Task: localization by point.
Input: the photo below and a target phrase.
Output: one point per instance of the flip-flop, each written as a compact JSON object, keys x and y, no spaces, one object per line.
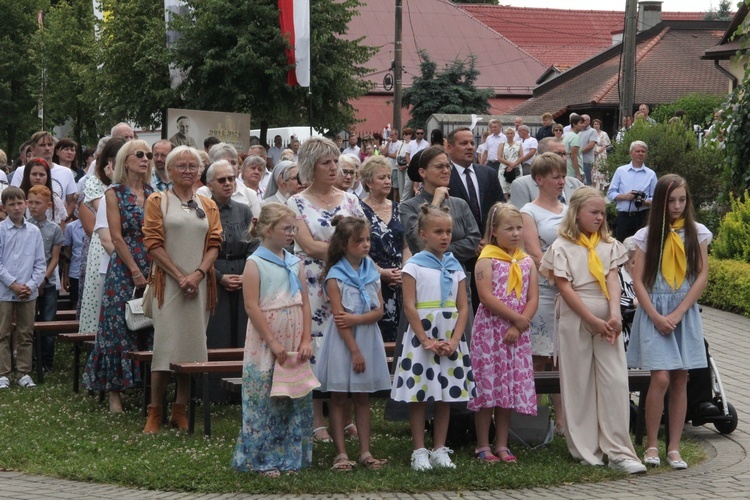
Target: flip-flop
{"x":486,"y":455}
{"x":319,"y":436}
{"x":341,"y":463}
{"x":371,"y":463}
{"x":508,"y":458}
{"x":270,"y":473}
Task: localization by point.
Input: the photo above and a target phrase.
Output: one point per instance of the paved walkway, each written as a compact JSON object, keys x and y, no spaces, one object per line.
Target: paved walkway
{"x":725,"y":474}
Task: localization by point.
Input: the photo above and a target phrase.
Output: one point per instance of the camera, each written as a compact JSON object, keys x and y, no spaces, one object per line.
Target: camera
{"x":640,"y":196}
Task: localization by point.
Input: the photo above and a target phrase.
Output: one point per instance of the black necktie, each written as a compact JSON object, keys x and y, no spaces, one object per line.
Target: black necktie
{"x":473,"y":200}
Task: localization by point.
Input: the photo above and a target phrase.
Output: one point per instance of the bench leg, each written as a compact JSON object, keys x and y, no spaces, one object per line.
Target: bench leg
{"x":146,"y":368}
{"x":76,"y":366}
{"x":206,"y":406}
{"x":38,"y":351}
{"x":640,"y":425}
{"x":191,"y":406}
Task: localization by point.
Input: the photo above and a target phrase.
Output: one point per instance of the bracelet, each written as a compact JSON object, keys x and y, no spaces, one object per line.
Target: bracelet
{"x":203,"y":273}
{"x":137,"y":275}
{"x":431,"y":345}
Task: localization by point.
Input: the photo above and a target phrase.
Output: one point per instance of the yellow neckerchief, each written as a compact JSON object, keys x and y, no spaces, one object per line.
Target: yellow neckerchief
{"x":515,"y":277}
{"x":595,"y":264}
{"x":673,"y":259}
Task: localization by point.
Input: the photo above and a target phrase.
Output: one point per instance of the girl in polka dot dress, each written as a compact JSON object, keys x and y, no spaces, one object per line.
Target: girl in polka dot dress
{"x":434,"y":364}
{"x":501,"y":344}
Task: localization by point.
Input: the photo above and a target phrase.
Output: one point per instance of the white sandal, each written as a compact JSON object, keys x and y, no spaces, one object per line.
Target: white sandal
{"x":654,"y":460}
{"x":678,"y":464}
{"x":326,"y":438}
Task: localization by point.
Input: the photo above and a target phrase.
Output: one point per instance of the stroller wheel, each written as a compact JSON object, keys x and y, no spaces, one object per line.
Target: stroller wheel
{"x":728,"y":425}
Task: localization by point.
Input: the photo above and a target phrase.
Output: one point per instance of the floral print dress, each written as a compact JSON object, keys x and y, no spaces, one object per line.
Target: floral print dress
{"x":319,"y":223}
{"x":107,"y":367}
{"x":386,"y":249}
{"x":504,"y":373}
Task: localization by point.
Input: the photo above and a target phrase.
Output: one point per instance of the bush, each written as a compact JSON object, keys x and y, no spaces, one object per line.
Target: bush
{"x":728,"y":286}
{"x":672,"y":149}
{"x":699,"y":109}
{"x":733,"y":238}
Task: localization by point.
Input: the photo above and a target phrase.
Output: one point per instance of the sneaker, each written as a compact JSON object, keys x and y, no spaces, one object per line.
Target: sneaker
{"x":628,"y":465}
{"x":440,"y":458}
{"x":26,"y":381}
{"x":4,"y":383}
{"x":420,"y":460}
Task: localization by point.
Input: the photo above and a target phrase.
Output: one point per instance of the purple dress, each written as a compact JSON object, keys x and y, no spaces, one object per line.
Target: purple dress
{"x":504,"y":373}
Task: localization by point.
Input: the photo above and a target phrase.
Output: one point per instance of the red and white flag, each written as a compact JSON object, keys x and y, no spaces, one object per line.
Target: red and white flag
{"x":295,"y":26}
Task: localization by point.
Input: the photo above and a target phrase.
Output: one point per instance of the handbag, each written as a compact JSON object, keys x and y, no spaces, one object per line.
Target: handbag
{"x":135,"y":318}
{"x":401,"y":159}
{"x":294,"y":379}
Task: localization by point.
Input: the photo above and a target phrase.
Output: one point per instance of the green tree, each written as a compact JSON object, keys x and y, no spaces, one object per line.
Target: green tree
{"x":234,"y":55}
{"x":65,"y":53}
{"x":699,"y":108}
{"x":134,"y":82}
{"x":451,"y":91}
{"x":18,"y":23}
{"x":723,"y":13}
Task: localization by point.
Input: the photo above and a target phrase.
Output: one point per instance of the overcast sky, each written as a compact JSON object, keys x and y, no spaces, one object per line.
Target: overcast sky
{"x":667,"y":5}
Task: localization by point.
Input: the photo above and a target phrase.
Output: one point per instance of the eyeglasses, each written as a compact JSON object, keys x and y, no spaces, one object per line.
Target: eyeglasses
{"x":290,"y":230}
{"x":141,"y":154}
{"x":182,"y":167}
{"x":420,"y":133}
{"x":224,"y":180}
{"x":562,"y":155}
{"x":198,"y":210}
{"x":299,"y":181}
{"x":348,"y":173}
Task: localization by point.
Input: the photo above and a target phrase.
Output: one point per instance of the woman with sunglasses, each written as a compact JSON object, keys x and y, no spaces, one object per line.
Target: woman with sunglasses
{"x":183,"y":277}
{"x":107,"y":368}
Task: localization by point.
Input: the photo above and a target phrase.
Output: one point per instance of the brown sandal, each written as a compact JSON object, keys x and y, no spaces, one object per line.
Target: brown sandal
{"x":341,"y":463}
{"x":369,"y":462}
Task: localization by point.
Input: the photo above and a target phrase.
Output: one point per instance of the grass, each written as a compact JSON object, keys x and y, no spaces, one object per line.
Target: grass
{"x":52,"y":431}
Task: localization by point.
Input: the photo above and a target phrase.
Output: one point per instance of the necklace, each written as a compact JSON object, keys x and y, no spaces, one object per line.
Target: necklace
{"x":185,"y":205}
{"x":382,"y":208}
{"x":328,"y":203}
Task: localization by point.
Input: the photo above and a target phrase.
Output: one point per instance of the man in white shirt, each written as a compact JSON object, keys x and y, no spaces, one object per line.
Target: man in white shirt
{"x":63,"y":180}
{"x":391,"y":149}
{"x":352,"y":149}
{"x":275,"y":151}
{"x":123,"y":130}
{"x":493,"y":143}
{"x":588,"y":138}
{"x":529,"y":146}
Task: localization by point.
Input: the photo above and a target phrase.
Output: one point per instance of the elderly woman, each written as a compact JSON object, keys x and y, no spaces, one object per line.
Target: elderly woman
{"x":107,"y":368}
{"x":183,"y":235}
{"x":387,"y":247}
{"x":224,"y":151}
{"x":348,"y":168}
{"x":541,"y":219}
{"x":228,"y":324}
{"x":316,"y":206}
{"x":93,"y":191}
{"x":432,"y":168}
{"x":283,"y":183}
{"x":252,"y":171}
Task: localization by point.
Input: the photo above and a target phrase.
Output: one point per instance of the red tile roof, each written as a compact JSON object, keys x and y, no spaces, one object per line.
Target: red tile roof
{"x":447,"y":33}
{"x":556,"y":36}
{"x":668,"y":66}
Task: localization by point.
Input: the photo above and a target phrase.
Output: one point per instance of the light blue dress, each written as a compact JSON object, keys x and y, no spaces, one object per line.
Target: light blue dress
{"x":683,"y":349}
{"x":333,"y":367}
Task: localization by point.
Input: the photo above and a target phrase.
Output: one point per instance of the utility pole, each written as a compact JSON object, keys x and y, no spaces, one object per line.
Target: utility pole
{"x":627,"y":78}
{"x":397,"y":64}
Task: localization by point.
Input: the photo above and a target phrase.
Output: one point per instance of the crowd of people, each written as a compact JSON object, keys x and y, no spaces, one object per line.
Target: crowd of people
{"x":490,"y":264}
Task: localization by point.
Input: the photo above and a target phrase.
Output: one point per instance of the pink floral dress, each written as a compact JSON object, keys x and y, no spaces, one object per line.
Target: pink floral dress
{"x":503,"y":373}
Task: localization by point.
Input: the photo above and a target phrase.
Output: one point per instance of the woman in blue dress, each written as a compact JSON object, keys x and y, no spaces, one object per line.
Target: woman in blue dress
{"x":388,"y":247}
{"x":107,"y":368}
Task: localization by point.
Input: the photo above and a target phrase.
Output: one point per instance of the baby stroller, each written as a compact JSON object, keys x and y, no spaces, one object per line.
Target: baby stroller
{"x":707,"y":400}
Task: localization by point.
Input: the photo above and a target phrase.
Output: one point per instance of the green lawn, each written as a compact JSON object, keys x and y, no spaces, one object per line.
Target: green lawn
{"x":50,"y":430}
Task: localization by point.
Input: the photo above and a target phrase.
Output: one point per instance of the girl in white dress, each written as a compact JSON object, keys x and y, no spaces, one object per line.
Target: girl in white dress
{"x":434,"y":365}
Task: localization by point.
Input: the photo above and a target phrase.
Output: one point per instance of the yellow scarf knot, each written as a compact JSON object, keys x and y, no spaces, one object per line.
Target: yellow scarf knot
{"x":673,"y":259}
{"x":515,"y":277}
{"x":595,"y":264}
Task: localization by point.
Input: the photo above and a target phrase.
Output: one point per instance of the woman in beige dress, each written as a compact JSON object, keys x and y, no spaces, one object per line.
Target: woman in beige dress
{"x":176,"y":221}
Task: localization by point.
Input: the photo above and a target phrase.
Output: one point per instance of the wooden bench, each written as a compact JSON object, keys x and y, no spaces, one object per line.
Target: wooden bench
{"x":145,"y":358}
{"x":49,"y":329}
{"x":202,"y":370}
{"x":65,"y":315}
{"x":77,"y":339}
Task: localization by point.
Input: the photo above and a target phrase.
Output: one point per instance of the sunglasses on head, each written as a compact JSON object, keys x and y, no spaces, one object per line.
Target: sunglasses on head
{"x":141,"y":154}
{"x":198,"y":210}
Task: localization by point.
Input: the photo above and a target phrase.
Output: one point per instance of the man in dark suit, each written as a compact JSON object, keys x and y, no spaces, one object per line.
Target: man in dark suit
{"x":478,"y":185}
{"x":466,"y":176}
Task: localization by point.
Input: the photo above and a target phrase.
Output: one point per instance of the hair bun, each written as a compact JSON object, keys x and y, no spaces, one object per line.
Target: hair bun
{"x":335,"y":221}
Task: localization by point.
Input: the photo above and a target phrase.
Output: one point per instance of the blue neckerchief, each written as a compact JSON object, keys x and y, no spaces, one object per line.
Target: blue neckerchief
{"x":367,"y":273}
{"x":446,"y":267}
{"x":288,"y":262}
